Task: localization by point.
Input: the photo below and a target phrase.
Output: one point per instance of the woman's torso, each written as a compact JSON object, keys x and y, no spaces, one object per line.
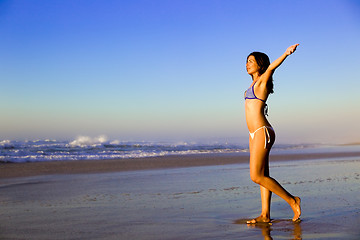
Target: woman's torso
{"x":255,"y":106}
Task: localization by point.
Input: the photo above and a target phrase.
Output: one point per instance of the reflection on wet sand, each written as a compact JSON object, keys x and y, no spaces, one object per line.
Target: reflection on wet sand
{"x":281,"y":227}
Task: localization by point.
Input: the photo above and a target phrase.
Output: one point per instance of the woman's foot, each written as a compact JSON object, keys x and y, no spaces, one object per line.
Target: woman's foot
{"x":259,"y":219}
{"x":297,"y":209}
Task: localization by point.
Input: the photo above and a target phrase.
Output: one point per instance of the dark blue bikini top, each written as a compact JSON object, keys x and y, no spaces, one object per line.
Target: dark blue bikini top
{"x":250,"y":94}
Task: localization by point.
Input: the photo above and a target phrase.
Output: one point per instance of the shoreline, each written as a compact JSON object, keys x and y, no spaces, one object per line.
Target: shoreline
{"x":15,"y":170}
{"x":184,"y":202}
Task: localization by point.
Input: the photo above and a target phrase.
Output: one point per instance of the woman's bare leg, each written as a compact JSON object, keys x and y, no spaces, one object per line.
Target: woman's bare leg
{"x":259,"y":167}
{"x":265,"y":200}
{"x":265,"y":193}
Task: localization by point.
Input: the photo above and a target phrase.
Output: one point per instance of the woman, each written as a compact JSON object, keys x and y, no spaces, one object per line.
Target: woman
{"x":262,"y":135}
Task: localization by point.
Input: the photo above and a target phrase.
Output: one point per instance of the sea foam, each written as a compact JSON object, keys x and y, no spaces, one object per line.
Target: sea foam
{"x":84,"y":141}
{"x":97,"y":148}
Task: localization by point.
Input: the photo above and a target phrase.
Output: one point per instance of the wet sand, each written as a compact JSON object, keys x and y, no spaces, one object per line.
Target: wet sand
{"x":10,"y":170}
{"x":208,"y":197}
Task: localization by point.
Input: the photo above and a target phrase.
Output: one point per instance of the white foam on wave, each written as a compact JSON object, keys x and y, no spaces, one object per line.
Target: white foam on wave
{"x":86,"y":147}
{"x":5,"y":142}
{"x":84,"y":141}
{"x":115,"y":142}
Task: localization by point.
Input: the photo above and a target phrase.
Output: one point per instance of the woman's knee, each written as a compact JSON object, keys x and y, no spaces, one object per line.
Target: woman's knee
{"x":256,"y":178}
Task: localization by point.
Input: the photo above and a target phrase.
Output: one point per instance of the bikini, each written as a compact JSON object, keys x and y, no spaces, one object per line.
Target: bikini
{"x":250,"y":94}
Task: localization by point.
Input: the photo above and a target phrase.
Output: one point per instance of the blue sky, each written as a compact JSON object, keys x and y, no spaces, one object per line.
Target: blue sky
{"x":148,"y":70}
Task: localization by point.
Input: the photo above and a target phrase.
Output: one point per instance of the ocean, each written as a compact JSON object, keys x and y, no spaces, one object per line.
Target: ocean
{"x":87,"y":148}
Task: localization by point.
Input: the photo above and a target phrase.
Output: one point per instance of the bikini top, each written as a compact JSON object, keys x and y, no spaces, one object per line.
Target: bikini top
{"x":250,"y":94}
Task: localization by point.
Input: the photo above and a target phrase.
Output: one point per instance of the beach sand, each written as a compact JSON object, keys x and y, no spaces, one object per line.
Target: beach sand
{"x":191,"y":197}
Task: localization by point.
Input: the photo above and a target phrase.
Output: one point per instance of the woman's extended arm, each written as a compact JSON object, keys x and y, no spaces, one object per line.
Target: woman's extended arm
{"x":275,"y":64}
{"x":279,"y":61}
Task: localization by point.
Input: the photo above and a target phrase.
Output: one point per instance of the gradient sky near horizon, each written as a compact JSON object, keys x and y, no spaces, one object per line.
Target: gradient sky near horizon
{"x":175,"y":69}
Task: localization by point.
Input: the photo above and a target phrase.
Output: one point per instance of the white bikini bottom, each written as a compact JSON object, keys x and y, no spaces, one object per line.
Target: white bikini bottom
{"x":267,"y":135}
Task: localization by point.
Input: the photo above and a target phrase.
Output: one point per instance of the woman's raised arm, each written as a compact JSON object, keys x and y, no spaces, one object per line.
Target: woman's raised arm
{"x":275,"y":64}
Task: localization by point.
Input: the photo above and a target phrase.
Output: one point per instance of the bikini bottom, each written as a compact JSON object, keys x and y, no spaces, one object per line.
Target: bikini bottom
{"x":267,"y":135}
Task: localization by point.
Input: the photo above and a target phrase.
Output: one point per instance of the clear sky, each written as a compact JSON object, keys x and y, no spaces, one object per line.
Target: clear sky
{"x":175,"y":69}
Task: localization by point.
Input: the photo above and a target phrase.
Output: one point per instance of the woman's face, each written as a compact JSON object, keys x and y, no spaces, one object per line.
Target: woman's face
{"x":251,"y":65}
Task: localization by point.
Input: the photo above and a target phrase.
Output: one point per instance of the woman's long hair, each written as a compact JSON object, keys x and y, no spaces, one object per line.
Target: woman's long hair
{"x":263,"y":61}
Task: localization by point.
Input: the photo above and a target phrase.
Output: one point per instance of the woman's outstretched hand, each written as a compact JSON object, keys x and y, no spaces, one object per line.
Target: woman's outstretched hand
{"x":291,"y":49}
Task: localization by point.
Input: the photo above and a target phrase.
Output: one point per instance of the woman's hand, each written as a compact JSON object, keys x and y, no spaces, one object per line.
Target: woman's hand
{"x":275,"y":64}
{"x":291,"y":49}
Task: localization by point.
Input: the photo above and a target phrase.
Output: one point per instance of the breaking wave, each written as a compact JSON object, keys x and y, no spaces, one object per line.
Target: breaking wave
{"x":97,"y":148}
